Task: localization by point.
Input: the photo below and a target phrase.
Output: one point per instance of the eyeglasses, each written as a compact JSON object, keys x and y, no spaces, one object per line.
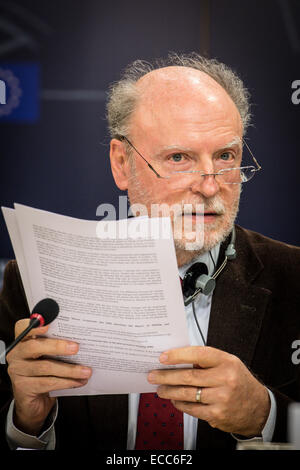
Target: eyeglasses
{"x":186,"y":169}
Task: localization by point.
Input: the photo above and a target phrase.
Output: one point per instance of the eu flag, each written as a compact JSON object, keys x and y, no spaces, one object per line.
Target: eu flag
{"x":20,"y":89}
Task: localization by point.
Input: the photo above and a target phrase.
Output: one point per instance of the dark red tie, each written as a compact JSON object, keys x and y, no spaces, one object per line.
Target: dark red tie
{"x":160,"y":425}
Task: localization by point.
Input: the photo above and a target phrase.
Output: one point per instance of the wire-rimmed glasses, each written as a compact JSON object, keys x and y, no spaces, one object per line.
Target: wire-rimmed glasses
{"x":187,"y":170}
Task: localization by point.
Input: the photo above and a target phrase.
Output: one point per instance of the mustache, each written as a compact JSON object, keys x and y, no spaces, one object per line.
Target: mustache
{"x":214,"y":205}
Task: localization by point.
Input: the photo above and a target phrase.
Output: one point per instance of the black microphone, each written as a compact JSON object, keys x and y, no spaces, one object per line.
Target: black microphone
{"x":42,"y":314}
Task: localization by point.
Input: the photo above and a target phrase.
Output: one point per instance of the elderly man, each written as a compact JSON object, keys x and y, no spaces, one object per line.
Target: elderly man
{"x":177,"y":132}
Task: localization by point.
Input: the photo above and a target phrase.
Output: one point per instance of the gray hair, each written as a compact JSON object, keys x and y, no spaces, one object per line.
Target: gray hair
{"x":123,"y":95}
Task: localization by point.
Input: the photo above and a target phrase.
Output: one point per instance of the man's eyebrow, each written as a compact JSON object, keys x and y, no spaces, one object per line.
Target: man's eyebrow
{"x":236,"y":141}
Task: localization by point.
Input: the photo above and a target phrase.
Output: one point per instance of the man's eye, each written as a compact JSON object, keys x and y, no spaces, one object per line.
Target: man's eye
{"x":177,"y":157}
{"x":226,"y":156}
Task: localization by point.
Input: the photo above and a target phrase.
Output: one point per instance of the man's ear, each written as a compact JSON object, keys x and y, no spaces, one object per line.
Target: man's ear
{"x":119,"y":164}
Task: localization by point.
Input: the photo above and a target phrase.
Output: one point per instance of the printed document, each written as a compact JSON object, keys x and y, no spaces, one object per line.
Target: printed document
{"x":117,"y":287}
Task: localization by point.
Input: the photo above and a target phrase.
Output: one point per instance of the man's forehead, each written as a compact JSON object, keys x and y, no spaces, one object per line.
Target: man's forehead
{"x":175,"y":74}
{"x":177,"y":88}
{"x":178,"y":83}
{"x":185,"y":99}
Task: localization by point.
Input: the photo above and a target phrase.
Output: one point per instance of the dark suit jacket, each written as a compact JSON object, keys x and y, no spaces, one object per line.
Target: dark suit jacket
{"x":255,"y":315}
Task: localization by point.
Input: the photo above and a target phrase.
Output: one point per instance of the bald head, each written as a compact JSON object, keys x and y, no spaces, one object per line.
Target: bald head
{"x":174,"y":79}
{"x":181,"y":97}
{"x":207,"y":78}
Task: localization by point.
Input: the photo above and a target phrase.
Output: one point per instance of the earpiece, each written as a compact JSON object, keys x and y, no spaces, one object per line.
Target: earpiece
{"x":197,"y":280}
{"x":230,"y":252}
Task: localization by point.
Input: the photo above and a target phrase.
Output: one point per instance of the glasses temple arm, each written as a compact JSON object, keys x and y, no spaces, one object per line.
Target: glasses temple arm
{"x":122,"y":137}
{"x":255,"y":161}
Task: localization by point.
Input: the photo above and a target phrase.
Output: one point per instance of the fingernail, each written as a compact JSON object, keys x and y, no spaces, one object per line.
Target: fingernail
{"x":151,"y":377}
{"x":82,"y":382}
{"x":72,"y":347}
{"x":164,"y":357}
{"x":85,"y":371}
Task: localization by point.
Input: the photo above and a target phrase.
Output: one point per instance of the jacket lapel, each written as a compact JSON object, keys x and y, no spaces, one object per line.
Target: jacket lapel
{"x":238,"y":304}
{"x":238,"y":309}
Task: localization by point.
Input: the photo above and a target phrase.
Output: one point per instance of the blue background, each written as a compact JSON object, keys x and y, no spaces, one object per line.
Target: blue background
{"x":60,"y":162}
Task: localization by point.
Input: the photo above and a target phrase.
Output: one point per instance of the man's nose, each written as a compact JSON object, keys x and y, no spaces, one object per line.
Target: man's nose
{"x":205,"y":184}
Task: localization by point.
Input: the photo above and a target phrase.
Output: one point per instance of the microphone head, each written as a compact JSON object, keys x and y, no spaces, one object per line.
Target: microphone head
{"x":191,"y":276}
{"x":48,"y":309}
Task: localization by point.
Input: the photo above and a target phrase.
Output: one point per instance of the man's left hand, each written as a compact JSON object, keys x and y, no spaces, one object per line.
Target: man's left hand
{"x":232,"y":399}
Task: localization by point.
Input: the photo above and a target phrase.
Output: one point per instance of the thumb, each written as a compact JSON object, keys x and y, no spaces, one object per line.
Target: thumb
{"x":21,"y":325}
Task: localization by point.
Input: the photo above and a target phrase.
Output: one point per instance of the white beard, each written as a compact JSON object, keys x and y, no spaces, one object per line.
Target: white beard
{"x":214,"y":233}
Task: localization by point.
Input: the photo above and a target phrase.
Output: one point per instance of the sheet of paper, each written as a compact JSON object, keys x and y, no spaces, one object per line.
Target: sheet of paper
{"x":120,"y":298}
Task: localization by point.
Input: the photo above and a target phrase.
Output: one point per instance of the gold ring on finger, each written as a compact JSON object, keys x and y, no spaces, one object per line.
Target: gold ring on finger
{"x":198,"y":395}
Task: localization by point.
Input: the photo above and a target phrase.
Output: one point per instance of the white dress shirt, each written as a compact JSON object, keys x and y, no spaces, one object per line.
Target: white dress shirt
{"x":202,"y":304}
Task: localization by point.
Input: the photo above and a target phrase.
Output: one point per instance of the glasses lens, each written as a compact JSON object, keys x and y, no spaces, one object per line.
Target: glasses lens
{"x":236,"y":175}
{"x":227,"y":176}
{"x":247,"y":173}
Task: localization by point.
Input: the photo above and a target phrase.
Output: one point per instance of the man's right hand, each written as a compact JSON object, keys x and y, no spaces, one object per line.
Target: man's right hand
{"x":33,"y":376}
